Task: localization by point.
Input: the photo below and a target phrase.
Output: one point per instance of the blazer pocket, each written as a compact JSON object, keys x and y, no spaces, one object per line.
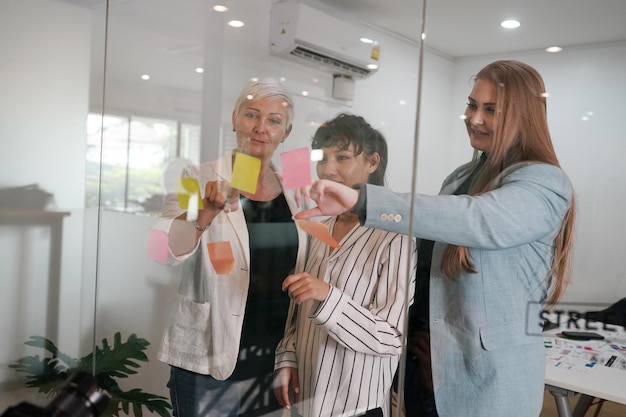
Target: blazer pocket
{"x":190,"y":329}
{"x":504,"y":335}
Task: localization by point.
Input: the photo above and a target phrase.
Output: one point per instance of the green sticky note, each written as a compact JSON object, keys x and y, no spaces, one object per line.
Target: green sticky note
{"x":246,"y":173}
{"x":186,"y":188}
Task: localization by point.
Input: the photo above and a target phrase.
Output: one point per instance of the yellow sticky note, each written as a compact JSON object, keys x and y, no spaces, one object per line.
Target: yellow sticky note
{"x":246,"y":171}
{"x":186,"y":188}
{"x":221,"y":255}
{"x":319,"y":231}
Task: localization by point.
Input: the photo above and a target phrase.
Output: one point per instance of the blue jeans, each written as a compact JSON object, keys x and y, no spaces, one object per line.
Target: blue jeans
{"x":197,"y":395}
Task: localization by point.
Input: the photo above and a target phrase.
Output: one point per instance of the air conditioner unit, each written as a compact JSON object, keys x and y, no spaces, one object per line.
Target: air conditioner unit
{"x":320,"y":40}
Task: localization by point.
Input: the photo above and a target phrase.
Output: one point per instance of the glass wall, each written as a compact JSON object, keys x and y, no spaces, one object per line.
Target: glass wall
{"x":105,"y":102}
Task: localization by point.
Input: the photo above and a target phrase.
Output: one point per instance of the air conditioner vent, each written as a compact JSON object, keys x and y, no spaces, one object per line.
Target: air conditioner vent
{"x":310,"y":36}
{"x":340,"y":66}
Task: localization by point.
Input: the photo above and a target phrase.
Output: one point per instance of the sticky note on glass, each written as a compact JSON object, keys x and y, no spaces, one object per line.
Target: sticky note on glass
{"x":296,"y":165}
{"x":245,"y":173}
{"x":319,"y":231}
{"x":158,"y":246}
{"x":188,"y":187}
{"x":221,"y":255}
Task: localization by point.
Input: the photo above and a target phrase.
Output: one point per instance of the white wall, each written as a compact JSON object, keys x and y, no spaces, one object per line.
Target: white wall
{"x":44,"y":100}
{"x":44,"y":84}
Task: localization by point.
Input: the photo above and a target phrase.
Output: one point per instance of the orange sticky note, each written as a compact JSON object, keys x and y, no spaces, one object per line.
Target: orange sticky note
{"x":319,"y":231}
{"x":186,"y":188}
{"x":158,"y":246}
{"x":221,"y":256}
{"x":246,"y":171}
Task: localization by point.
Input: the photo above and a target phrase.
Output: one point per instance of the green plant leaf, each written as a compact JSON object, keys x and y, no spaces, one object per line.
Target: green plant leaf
{"x":47,"y":344}
{"x":46,"y":375}
{"x":138,"y":399}
{"x":118,"y":360}
{"x":108,"y":384}
{"x":137,"y":411}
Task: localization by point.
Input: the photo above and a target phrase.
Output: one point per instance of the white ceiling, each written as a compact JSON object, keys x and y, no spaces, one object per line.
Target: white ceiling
{"x":460,"y":28}
{"x":142,"y":32}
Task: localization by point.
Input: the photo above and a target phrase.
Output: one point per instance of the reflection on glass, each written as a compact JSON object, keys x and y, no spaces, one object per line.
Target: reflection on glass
{"x":126,"y":157}
{"x":53,"y":77}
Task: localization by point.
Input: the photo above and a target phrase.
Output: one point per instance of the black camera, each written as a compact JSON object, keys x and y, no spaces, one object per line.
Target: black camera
{"x":78,"y":398}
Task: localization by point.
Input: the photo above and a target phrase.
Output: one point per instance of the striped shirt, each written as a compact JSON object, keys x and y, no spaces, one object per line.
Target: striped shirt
{"x":347,"y":348}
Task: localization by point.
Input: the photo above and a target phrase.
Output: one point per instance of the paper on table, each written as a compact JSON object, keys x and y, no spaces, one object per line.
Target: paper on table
{"x":221,"y":255}
{"x":296,"y":166}
{"x":319,"y":231}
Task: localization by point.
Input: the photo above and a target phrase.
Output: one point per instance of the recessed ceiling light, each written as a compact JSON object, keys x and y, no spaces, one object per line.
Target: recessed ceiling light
{"x":220,"y":8}
{"x":554,"y":49}
{"x":199,"y":70}
{"x":510,"y":24}
{"x":367,"y":40}
{"x":372,"y":66}
{"x":236,"y":23}
{"x":145,"y":77}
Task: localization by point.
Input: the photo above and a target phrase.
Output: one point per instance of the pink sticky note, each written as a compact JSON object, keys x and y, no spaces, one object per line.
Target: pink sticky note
{"x":296,"y":165}
{"x":221,"y":255}
{"x":158,"y":246}
{"x":319,"y":231}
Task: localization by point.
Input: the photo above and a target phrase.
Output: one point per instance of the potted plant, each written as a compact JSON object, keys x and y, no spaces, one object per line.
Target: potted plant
{"x":108,"y":362}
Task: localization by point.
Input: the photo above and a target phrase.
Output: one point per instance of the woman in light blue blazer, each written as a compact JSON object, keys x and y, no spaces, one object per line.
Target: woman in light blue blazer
{"x":501,"y":237}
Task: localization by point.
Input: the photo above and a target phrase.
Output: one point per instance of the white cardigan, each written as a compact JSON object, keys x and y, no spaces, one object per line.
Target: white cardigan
{"x":204,"y":329}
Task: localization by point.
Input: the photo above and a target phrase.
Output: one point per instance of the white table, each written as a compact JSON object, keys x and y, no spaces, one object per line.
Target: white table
{"x":571,"y":377}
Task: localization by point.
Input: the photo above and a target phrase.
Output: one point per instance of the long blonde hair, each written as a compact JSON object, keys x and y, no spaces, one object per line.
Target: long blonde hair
{"x":521,"y":134}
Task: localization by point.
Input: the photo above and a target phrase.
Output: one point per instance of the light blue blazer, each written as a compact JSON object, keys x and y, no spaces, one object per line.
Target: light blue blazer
{"x":486,"y":344}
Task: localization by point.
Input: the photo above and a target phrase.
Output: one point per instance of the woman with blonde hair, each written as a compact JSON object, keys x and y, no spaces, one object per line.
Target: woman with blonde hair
{"x":224,"y":325}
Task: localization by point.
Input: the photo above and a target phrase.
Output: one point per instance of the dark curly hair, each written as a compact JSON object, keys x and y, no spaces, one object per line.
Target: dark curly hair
{"x":345,"y":129}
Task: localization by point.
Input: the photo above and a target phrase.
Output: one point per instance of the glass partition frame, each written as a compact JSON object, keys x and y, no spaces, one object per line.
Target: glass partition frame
{"x":76,"y":227}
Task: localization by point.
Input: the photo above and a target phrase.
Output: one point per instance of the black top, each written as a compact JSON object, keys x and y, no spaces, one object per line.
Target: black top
{"x":273,"y":250}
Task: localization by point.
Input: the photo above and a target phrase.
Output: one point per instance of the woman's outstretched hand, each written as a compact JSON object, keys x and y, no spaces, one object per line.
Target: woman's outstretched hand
{"x":332,"y":198}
